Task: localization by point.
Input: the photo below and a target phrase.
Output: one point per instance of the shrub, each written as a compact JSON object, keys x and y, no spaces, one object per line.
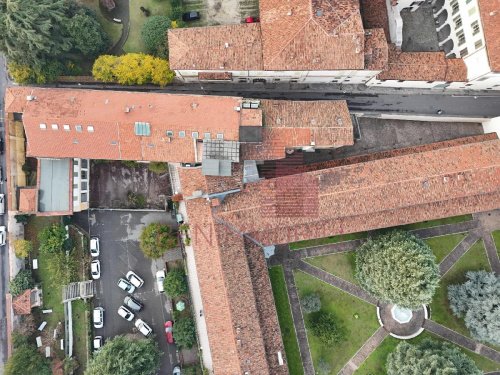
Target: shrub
{"x":130,"y":163}
{"x":22,"y":218}
{"x":175,"y":283}
{"x":158,"y":167}
{"x":22,"y":248}
{"x":156,"y":239}
{"x":154,"y":35}
{"x":311,"y":303}
{"x":136,"y":200}
{"x":26,"y":360}
{"x":87,"y":34}
{"x":52,"y":238}
{"x":185,"y":333}
{"x":429,"y":357}
{"x":63,"y":268}
{"x":398,"y":268}
{"x":326,"y":327}
{"x":478,"y":302}
{"x":177,"y":12}
{"x":22,"y":281}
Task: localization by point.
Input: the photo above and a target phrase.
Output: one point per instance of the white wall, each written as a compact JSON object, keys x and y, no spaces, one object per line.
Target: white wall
{"x":492,"y":126}
{"x":81,"y":184}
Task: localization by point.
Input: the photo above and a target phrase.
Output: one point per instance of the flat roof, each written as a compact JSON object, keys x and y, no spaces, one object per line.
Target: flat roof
{"x":53,"y":194}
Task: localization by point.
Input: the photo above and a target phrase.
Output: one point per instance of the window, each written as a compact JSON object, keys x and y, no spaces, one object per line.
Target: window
{"x":75,"y":162}
{"x":478,"y":44}
{"x":220,"y":136}
{"x":84,"y":197}
{"x":90,"y":129}
{"x":458,"y":22}
{"x":464,"y":52}
{"x":75,"y":186}
{"x":142,"y":128}
{"x":475,"y":28}
{"x":43,"y":126}
{"x":454,"y":6}
{"x":170,"y":133}
{"x":461,"y":38}
{"x":84,"y":185}
{"x":206,"y":136}
{"x":194,"y":135}
{"x":182,"y":133}
{"x":66,"y":127}
{"x":84,"y":175}
{"x":85,"y":163}
{"x":55,"y":127}
{"x":78,"y":128}
{"x":75,"y":173}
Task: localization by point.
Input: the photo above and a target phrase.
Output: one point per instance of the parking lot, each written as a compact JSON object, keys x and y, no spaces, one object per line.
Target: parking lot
{"x":118,"y":233}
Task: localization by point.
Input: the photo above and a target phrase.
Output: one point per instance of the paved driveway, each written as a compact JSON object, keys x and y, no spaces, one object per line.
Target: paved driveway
{"x":118,"y":232}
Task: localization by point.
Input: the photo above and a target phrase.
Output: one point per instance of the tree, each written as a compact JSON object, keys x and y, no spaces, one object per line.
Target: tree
{"x":154,"y":35}
{"x":45,"y":73}
{"x":22,"y":281}
{"x":326,"y":327}
{"x":185,"y":333}
{"x":86,"y":33}
{"x":22,"y":248}
{"x":52,"y":238}
{"x":156,"y":239}
{"x":103,"y":68}
{"x":125,"y":355}
{"x":430,"y":357}
{"x":161,"y":75}
{"x":478,"y":302}
{"x":175,"y":283}
{"x":26,"y":360}
{"x":398,"y":268}
{"x":311,"y":303}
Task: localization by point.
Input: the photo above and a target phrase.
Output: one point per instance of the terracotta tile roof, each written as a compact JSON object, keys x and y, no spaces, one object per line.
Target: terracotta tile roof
{"x":311,"y":34}
{"x":423,"y":66}
{"x":193,"y":180}
{"x":28,"y":200}
{"x":376,"y":50}
{"x":291,"y":124}
{"x":113,"y":135}
{"x":201,"y":48}
{"x":15,"y":98}
{"x":490,"y":18}
{"x":370,"y":195}
{"x":374,"y":13}
{"x":22,"y":303}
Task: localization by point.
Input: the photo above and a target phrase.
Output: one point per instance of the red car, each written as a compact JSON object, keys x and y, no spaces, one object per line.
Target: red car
{"x":168,"y":331}
{"x":252,"y":19}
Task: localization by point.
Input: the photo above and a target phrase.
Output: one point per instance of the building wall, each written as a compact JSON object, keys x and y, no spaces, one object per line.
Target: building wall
{"x":395,"y":20}
{"x":81,"y":170}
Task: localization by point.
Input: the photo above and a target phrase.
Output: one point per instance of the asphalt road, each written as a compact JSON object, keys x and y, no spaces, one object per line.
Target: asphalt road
{"x":4,"y":253}
{"x":118,"y":233}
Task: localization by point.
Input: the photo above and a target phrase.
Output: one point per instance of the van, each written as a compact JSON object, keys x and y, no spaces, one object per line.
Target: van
{"x":2,"y":204}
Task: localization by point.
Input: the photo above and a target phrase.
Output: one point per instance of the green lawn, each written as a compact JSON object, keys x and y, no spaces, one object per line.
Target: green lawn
{"x":441,"y":246}
{"x":496,"y":238}
{"x":375,"y":363}
{"x":327,"y":240}
{"x":81,"y":333}
{"x":473,"y":260}
{"x":345,"y":307}
{"x":435,"y":223}
{"x":341,"y":264}
{"x":113,"y":29}
{"x":137,"y":18}
{"x":286,"y":322}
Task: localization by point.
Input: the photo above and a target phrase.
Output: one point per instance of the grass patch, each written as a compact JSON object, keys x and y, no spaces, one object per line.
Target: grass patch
{"x":345,"y":307}
{"x":285,"y":319}
{"x":496,"y":239}
{"x":134,"y":41}
{"x":375,"y":363}
{"x":342,"y":265}
{"x":475,"y":259}
{"x":113,"y":29}
{"x":441,"y":246}
{"x":80,"y":333}
{"x":438,"y":222}
{"x":327,"y":240}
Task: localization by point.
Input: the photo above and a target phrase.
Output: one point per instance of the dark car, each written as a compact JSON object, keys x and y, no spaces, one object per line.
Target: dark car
{"x":133,"y":303}
{"x":191,"y":16}
{"x":1,"y":146}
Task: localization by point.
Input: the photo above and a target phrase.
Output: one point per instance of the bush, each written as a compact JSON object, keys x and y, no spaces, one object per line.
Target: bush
{"x":175,"y":283}
{"x":26,"y":360}
{"x":130,"y":163}
{"x":154,"y":35}
{"x":311,"y":303}
{"x":325,"y":327}
{"x":156,"y":239}
{"x":45,"y":73}
{"x":63,"y":268}
{"x":22,"y":218}
{"x":158,"y":167}
{"x":478,"y":302}
{"x":136,"y":200}
{"x":52,"y":238}
{"x":22,"y":248}
{"x":429,"y":357}
{"x":398,"y":268}
{"x":177,"y":12}
{"x":185,"y":333}
{"x":22,"y":281}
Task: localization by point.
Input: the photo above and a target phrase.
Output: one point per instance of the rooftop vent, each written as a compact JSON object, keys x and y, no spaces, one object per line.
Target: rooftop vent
{"x":290,"y":12}
{"x":30,"y":98}
{"x":170,"y":133}
{"x":43,"y":126}
{"x":194,"y":135}
{"x":114,"y":143}
{"x":226,"y":45}
{"x":194,"y":105}
{"x":75,"y":141}
{"x":182,"y":133}
{"x":127,"y":109}
{"x":237,"y":109}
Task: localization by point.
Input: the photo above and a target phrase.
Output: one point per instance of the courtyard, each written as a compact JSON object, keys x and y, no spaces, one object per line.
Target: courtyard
{"x":326,"y":267}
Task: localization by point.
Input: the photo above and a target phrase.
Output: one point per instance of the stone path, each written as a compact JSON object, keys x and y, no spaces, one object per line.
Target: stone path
{"x":442,"y":230}
{"x":339,"y":247}
{"x":492,"y":253}
{"x":457,"y":252}
{"x":364,"y":352}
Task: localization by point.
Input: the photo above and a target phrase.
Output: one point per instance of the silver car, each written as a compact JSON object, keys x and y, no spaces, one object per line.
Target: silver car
{"x":133,"y":304}
{"x":3,"y":235}
{"x":125,"y":285}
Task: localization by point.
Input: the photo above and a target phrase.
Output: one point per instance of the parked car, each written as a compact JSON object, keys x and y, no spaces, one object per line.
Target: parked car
{"x":190,"y":16}
{"x":98,"y":317}
{"x":169,"y":331}
{"x":94,"y":247}
{"x":95,"y":269}
{"x":176,"y":370}
{"x":143,"y":327}
{"x":252,"y":19}
{"x":1,"y":146}
{"x":179,"y":218}
{"x":133,"y":304}
{"x":126,"y":313}
{"x":134,"y":279}
{"x":3,"y":235}
{"x":125,"y":285}
{"x":98,"y":342}
{"x":2,"y":204}
{"x":160,"y":276}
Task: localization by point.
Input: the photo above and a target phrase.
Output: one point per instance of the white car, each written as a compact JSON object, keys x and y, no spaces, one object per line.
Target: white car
{"x":95,"y":269}
{"x":143,"y":327}
{"x":176,"y":370}
{"x":125,"y":285}
{"x":160,"y":276}
{"x":3,"y":235}
{"x":134,"y":279}
{"x":98,"y":317}
{"x":97,"y":343}
{"x":94,"y":247}
{"x":125,"y":313}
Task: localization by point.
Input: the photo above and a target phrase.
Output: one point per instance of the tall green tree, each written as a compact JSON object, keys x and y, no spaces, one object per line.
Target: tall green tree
{"x":52,"y":238}
{"x":86,"y":33}
{"x":399,"y":268}
{"x":430,"y":357}
{"x":22,"y":281}
{"x":185,"y":333}
{"x":26,"y":360}
{"x":175,"y":283}
{"x":124,"y":356}
{"x":156,"y":239}
{"x":154,"y":35}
